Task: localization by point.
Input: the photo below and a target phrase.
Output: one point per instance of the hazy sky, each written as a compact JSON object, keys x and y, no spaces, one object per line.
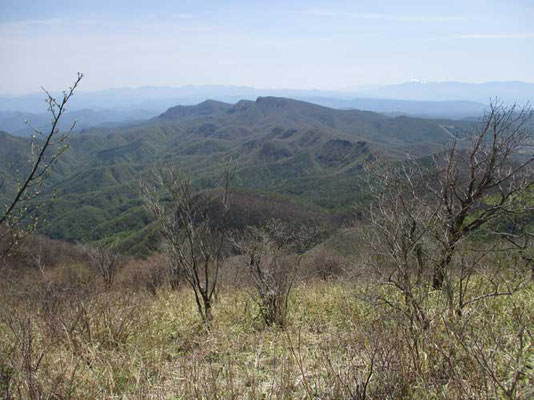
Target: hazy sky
{"x":268,"y":44}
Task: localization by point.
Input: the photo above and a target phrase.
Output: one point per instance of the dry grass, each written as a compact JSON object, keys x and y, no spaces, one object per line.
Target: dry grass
{"x":78,"y":341}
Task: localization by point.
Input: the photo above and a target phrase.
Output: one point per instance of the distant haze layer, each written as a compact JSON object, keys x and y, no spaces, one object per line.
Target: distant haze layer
{"x":431,"y":100}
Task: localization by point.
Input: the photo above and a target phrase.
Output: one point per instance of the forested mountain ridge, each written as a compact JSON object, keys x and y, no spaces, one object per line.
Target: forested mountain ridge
{"x":311,"y":153}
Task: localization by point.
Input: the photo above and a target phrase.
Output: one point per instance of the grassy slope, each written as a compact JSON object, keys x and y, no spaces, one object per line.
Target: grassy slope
{"x":155,"y":347}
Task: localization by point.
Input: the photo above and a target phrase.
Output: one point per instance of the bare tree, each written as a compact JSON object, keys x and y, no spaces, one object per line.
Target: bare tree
{"x":106,"y":262}
{"x":481,"y":181}
{"x":195,"y":229}
{"x":273,"y":254}
{"x":18,"y":215}
{"x":423,"y":212}
{"x":402,"y":225}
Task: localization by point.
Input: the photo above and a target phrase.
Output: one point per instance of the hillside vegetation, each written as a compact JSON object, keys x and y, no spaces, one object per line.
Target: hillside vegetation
{"x":64,"y":335}
{"x":423,"y":291}
{"x":308,"y":153}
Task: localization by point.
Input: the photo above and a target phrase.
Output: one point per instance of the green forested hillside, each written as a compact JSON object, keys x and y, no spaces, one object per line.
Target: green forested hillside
{"x":310,"y":154}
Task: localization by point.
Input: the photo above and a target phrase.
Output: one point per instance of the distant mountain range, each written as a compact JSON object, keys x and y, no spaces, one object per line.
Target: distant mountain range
{"x":429,"y":100}
{"x":310,"y":153}
{"x":509,"y":92}
{"x":16,"y":122}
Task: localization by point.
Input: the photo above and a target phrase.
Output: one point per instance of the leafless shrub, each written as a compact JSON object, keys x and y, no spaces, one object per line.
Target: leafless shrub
{"x":272,"y":260}
{"x":423,"y":214}
{"x":42,"y":253}
{"x":324,"y":264}
{"x":195,"y":237}
{"x":6,"y":377}
{"x":481,"y":348}
{"x":18,"y":217}
{"x":398,"y":240}
{"x":106,"y":262}
{"x":151,"y":274}
{"x":488,"y":165}
{"x":27,"y":371}
{"x":108,"y":321}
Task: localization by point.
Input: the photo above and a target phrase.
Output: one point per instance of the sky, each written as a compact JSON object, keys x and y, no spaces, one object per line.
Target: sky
{"x":328,"y":45}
